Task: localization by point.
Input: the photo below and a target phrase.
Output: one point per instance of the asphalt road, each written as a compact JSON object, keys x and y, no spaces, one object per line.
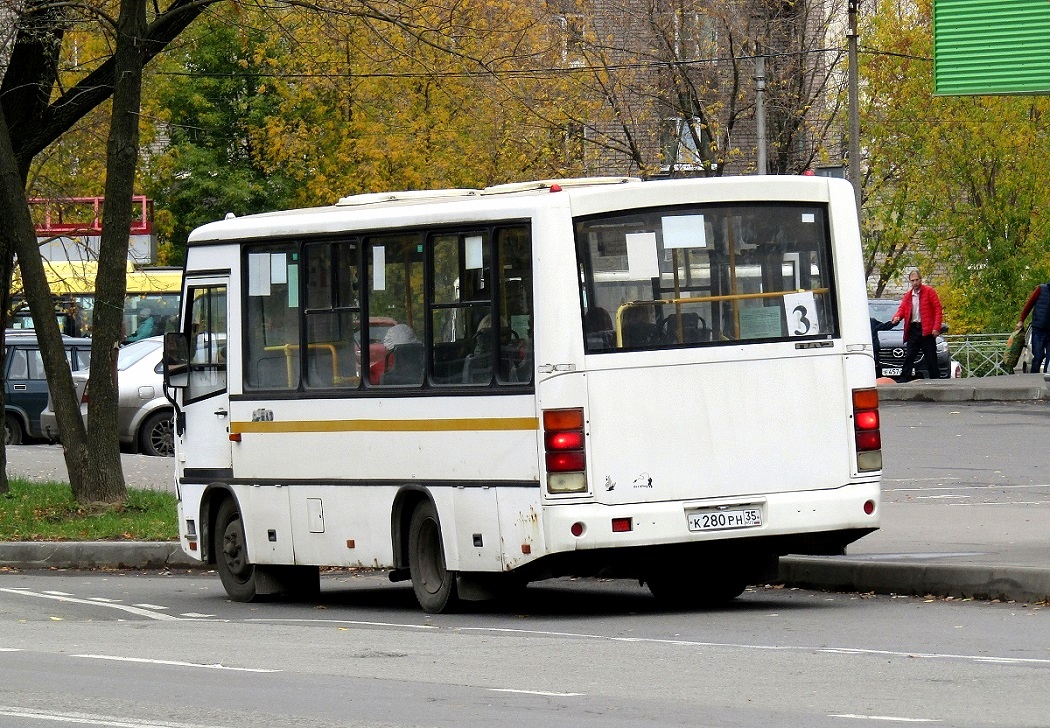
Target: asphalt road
{"x":170,"y":651}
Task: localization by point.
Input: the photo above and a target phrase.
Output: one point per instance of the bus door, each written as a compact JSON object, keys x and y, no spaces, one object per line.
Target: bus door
{"x":206,"y":400}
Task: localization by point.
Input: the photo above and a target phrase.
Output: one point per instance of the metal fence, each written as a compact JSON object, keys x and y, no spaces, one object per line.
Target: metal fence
{"x":981,"y":355}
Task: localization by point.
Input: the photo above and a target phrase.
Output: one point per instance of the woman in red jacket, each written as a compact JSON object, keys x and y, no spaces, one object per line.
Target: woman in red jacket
{"x":921,"y":311}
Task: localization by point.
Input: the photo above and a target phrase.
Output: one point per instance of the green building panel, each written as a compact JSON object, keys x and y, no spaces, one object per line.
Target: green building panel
{"x":983,"y":47}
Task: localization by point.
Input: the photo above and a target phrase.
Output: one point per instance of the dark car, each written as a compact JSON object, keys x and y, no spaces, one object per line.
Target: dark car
{"x":891,"y":344}
{"x":25,"y":386}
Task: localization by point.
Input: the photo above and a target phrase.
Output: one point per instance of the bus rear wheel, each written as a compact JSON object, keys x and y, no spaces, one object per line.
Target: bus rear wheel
{"x":434,"y":585}
{"x":231,"y":554}
{"x":691,"y":591}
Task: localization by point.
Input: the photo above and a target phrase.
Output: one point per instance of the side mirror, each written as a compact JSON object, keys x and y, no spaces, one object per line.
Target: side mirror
{"x":176,"y":360}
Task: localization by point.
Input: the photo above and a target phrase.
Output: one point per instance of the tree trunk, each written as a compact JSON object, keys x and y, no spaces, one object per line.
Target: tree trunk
{"x":111,"y":280}
{"x":20,"y":235}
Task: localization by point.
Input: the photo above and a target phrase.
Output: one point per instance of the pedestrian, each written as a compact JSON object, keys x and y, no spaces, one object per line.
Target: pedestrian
{"x":1039,"y":305}
{"x":921,"y":312}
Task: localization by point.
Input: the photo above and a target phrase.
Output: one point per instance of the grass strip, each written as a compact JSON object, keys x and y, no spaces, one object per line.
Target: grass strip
{"x":47,"y":512}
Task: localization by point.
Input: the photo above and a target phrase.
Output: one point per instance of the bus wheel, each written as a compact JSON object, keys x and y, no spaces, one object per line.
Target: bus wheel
{"x":434,"y":585}
{"x":235,"y":571}
{"x":682,"y":590}
{"x":12,"y":430}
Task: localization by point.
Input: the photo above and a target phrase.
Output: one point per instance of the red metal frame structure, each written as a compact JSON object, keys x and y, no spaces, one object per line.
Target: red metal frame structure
{"x":52,"y":222}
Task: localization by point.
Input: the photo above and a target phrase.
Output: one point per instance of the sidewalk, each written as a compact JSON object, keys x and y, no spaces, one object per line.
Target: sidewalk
{"x":990,"y":552}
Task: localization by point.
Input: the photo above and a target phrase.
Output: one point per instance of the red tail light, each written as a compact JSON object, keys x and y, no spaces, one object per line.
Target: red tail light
{"x":563,"y":440}
{"x":563,"y":444}
{"x":866,"y":429}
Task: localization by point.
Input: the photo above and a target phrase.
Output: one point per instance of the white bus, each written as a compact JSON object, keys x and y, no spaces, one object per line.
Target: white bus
{"x":668,"y":380}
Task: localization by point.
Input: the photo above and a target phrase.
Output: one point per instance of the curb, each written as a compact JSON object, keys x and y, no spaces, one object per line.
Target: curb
{"x":95,"y":555}
{"x":973,"y":581}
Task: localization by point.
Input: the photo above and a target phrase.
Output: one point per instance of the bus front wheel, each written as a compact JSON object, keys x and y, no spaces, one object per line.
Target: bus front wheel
{"x":231,"y":555}
{"x":434,"y":585}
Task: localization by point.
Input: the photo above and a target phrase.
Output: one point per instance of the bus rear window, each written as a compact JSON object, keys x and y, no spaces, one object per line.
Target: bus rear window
{"x":705,"y":275}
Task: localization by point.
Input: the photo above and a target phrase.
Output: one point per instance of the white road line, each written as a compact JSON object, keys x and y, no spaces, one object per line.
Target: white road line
{"x":886,"y":717}
{"x":775,"y":648}
{"x":278,"y":620}
{"x":10,"y":649}
{"x":175,"y":663}
{"x":58,"y":593}
{"x":105,"y":600}
{"x":91,"y":719}
{"x":986,"y":486}
{"x":61,"y":597}
{"x":150,"y":606}
{"x":535,"y":692}
{"x":196,"y":615}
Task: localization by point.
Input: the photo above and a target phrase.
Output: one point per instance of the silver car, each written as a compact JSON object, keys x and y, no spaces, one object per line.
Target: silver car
{"x":145,"y":419}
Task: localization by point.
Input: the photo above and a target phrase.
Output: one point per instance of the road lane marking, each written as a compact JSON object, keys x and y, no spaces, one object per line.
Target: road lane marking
{"x":176,"y":663}
{"x":546,"y":693}
{"x":279,"y":620}
{"x":90,"y":719}
{"x":61,"y":597}
{"x":886,"y":717}
{"x":773,"y":648}
{"x":150,"y":606}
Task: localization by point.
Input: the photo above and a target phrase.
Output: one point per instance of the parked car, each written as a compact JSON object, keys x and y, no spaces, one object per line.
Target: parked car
{"x":25,"y":385}
{"x":145,"y":418}
{"x":891,"y":345}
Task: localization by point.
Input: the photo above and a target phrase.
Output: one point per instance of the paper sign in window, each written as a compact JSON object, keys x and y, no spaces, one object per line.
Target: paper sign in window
{"x":801,"y":312}
{"x":808,"y":217}
{"x":684,"y":231}
{"x":259,"y":274}
{"x":379,"y":268}
{"x":474,"y":247}
{"x":278,"y":268}
{"x":642,"y":263}
{"x":293,"y":286}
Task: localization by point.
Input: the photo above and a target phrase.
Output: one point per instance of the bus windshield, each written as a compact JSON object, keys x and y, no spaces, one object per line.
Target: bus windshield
{"x":705,"y":275}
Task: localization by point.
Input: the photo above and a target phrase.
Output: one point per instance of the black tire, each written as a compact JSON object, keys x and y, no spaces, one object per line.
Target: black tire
{"x":681,"y":590}
{"x":157,"y":435}
{"x":13,"y":434}
{"x":434,"y":585}
{"x":231,"y":554}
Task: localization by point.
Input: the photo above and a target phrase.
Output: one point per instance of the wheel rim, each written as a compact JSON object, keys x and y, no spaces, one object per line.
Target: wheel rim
{"x":162,"y":437}
{"x":233,"y":552}
{"x":431,"y":558}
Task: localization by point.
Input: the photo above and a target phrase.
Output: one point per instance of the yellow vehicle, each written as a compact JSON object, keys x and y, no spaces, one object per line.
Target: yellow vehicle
{"x":150,"y":308}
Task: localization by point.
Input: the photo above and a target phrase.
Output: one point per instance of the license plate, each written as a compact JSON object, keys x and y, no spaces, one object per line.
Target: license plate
{"x":719,"y":520}
{"x":891,"y":371}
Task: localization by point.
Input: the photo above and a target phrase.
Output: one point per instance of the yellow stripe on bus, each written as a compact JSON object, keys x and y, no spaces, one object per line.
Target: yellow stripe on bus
{"x":450,"y":425}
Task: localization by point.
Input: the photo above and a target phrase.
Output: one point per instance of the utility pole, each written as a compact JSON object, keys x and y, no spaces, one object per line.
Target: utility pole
{"x":760,"y":112}
{"x":854,"y":100}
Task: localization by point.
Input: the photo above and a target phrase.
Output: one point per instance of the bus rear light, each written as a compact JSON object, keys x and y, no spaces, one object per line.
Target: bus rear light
{"x":867,"y":441}
{"x":564,"y":440}
{"x":622,"y":525}
{"x":563,"y":444}
{"x":869,"y":507}
{"x":576,"y":529}
{"x":563,"y":462}
{"x":866,"y":429}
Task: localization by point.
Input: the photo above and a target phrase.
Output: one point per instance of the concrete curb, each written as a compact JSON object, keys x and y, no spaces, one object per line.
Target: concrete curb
{"x":94,"y":555}
{"x":1009,"y":388}
{"x":977,"y":581}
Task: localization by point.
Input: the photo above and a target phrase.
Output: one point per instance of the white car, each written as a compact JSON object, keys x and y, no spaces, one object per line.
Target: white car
{"x":145,"y":418}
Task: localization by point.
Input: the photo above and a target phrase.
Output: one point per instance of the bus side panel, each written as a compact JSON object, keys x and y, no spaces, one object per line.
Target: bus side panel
{"x":521,"y":526}
{"x":264,"y":510}
{"x":337,"y":525}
